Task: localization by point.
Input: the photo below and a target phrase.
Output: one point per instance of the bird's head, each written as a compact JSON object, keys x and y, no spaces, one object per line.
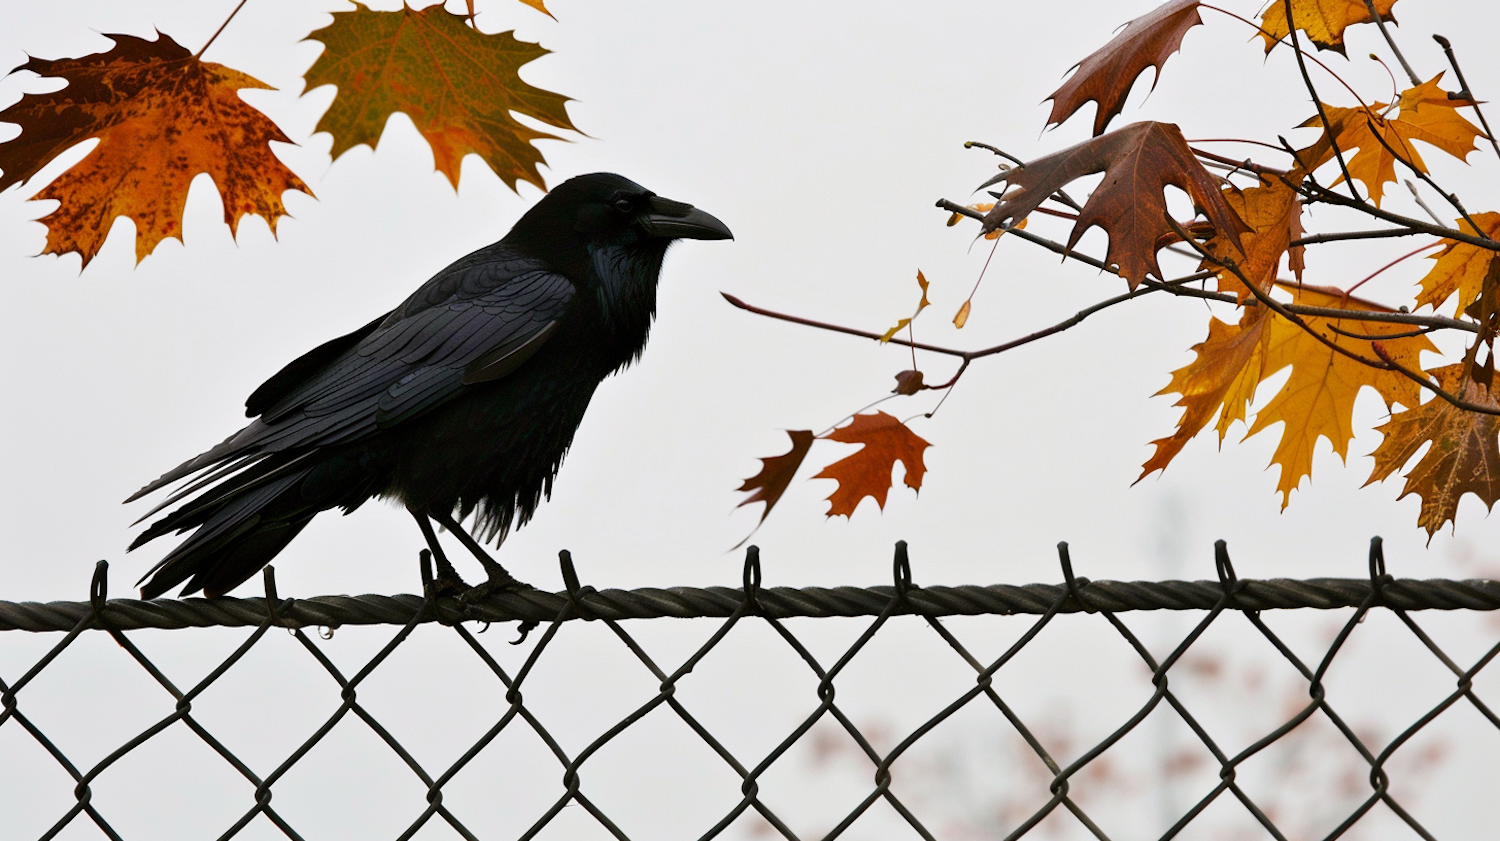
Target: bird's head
{"x":607,"y":216}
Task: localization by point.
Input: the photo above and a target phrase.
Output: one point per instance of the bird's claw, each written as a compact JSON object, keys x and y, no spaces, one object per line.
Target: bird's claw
{"x":498,"y":582}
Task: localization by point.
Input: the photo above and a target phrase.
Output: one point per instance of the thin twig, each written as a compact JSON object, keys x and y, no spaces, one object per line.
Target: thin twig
{"x":1320,"y":193}
{"x":1474,"y":100}
{"x":1291,"y":25}
{"x":1421,"y":202}
{"x":1338,"y":236}
{"x":1242,"y":164}
{"x":215,"y":36}
{"x":1390,"y":42}
{"x":1410,"y":334}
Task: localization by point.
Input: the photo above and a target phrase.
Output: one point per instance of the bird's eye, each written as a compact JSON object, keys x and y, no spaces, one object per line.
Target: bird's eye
{"x":624,"y":205}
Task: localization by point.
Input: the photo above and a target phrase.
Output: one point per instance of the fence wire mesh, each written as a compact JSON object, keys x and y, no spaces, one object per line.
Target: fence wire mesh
{"x":1066,"y":770}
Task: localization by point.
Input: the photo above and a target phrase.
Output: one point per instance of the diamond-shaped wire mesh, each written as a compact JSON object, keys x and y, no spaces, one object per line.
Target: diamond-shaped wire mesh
{"x":569,"y":740}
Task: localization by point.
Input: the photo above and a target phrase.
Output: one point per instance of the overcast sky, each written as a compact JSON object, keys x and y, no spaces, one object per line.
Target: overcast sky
{"x":822,"y":134}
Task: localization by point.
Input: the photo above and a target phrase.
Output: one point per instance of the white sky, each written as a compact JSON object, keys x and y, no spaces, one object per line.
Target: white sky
{"x":821,"y":134}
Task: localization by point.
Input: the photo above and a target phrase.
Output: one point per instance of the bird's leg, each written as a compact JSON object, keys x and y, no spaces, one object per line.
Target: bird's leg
{"x":498,"y":580}
{"x":446,"y":581}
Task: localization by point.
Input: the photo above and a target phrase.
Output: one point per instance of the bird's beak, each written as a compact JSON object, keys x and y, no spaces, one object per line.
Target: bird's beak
{"x":679,"y":220}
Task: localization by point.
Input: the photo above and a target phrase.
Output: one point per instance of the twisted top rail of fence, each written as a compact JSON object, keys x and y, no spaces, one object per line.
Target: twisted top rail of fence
{"x":1076,"y":594}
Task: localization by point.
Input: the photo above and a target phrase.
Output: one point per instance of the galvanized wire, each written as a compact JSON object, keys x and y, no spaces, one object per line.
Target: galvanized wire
{"x":752,"y":603}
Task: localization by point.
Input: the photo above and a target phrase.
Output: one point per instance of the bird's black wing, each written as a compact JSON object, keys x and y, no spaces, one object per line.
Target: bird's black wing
{"x":475,"y":321}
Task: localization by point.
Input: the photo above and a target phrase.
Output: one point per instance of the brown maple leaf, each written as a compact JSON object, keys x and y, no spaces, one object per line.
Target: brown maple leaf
{"x":1424,"y":113}
{"x":776,"y":473}
{"x":1273,"y":211}
{"x":1324,"y":21}
{"x":1461,"y":267}
{"x":1106,"y":76}
{"x":1317,"y":400}
{"x":459,"y":87}
{"x":868,"y":471}
{"x":1138,"y":161}
{"x":1464,"y":456}
{"x":162,"y":116}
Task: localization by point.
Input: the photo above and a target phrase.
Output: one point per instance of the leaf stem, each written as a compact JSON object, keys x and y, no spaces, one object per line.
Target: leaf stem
{"x":1391,"y":42}
{"x":215,"y":36}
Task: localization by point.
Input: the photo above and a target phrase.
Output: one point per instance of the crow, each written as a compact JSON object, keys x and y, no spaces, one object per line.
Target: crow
{"x":462,"y":400}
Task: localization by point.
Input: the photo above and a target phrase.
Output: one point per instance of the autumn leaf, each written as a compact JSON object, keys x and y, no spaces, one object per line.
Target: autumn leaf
{"x":1273,"y":211}
{"x":1138,"y":162}
{"x":459,"y":87}
{"x":1324,"y":21}
{"x":1425,"y":113}
{"x":961,"y":317}
{"x":1221,"y":379}
{"x":1461,"y":267}
{"x":162,"y":117}
{"x":1317,"y":400}
{"x":908,"y":383}
{"x":1106,"y":76}
{"x":1464,"y":456}
{"x":921,"y":305}
{"x":776,"y":473}
{"x":868,"y":471}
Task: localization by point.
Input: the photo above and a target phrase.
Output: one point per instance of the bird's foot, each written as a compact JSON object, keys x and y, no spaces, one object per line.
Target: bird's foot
{"x":499,"y":581}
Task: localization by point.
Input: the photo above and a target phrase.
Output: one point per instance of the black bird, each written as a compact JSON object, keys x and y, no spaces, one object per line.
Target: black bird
{"x":462,"y":400}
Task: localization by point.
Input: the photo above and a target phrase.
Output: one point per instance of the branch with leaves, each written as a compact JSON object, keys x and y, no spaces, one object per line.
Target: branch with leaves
{"x":1247,"y":231}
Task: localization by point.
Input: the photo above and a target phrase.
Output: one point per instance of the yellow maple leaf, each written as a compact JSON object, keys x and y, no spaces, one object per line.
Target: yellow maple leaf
{"x":162,"y":116}
{"x":1324,"y":21}
{"x":1317,"y":400}
{"x":1461,"y":267}
{"x":458,"y":85}
{"x":1464,"y":456}
{"x":1424,"y":113}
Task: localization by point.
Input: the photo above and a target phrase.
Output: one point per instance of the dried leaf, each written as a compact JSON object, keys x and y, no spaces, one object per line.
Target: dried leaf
{"x":1138,"y":162}
{"x":921,"y":305}
{"x":1464,"y":456}
{"x":776,"y":473}
{"x":161,"y":116}
{"x":908,"y":383}
{"x":962,"y":316}
{"x":1106,"y":76}
{"x":540,"y":6}
{"x":458,"y":85}
{"x":1274,"y":213}
{"x":868,"y":471}
{"x":1425,"y":113}
{"x":1324,"y":21}
{"x":1461,"y":267}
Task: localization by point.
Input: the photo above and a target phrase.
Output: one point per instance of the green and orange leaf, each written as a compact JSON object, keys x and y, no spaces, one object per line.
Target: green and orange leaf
{"x":1464,"y":456}
{"x":867,"y":472}
{"x":458,"y":85}
{"x":162,"y":116}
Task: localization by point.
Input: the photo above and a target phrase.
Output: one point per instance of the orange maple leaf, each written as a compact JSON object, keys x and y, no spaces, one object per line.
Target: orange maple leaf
{"x":1461,"y":267}
{"x":1425,"y":113}
{"x":1138,"y":161}
{"x":458,"y":85}
{"x":868,"y":471}
{"x":1273,"y":211}
{"x":1317,"y":400}
{"x":1464,"y":456}
{"x":1324,"y":21}
{"x":1107,"y":75}
{"x":162,"y":116}
{"x":921,"y":305}
{"x":776,"y":473}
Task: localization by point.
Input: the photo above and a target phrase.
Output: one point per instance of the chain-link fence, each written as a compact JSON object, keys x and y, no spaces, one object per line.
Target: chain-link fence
{"x":898,"y":784}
